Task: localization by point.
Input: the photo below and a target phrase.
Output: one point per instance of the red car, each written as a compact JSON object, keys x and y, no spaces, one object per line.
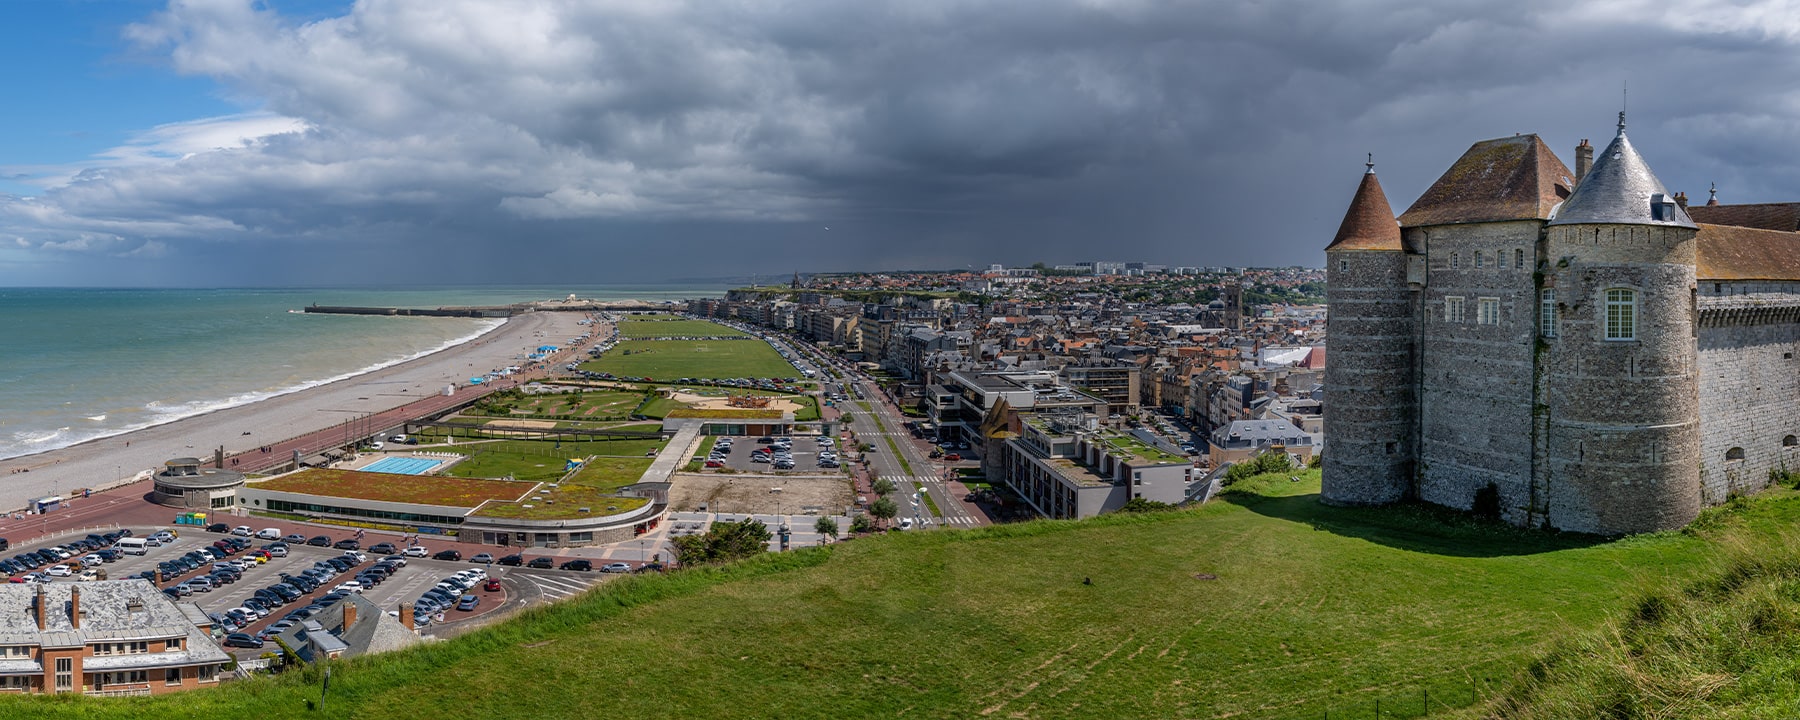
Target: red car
{"x":952,"y":457}
{"x":492,"y":585}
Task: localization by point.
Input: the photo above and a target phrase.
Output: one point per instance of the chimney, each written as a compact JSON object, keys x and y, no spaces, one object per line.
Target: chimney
{"x":158,"y":579}
{"x":406,"y":616}
{"x":75,"y":607}
{"x":43,"y":606}
{"x":1584,"y":159}
{"x":349,"y":615}
{"x":1681,"y":199}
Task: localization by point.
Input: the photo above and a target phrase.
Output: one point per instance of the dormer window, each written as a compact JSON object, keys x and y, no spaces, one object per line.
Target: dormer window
{"x":1662,"y":208}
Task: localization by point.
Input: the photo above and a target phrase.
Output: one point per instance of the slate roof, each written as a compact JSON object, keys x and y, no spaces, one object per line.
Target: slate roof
{"x":1515,"y":178}
{"x":1768,"y":216}
{"x":1727,"y":252}
{"x":1620,"y":189}
{"x":1369,"y":223}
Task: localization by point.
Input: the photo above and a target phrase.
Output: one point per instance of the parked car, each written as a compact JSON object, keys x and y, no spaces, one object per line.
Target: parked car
{"x":617,"y":567}
{"x":512,"y":560}
{"x":581,"y":565}
{"x":492,"y":585}
{"x":294,"y":539}
{"x":269,"y":534}
{"x":218,"y":528}
{"x":383,"y":548}
{"x":468,"y":602}
{"x":347,"y":544}
{"x":320,"y":541}
{"x":416,"y":551}
{"x":482,"y":558}
{"x":242,"y":530}
{"x":242,"y":640}
{"x":447,"y":555}
{"x":542,"y":563}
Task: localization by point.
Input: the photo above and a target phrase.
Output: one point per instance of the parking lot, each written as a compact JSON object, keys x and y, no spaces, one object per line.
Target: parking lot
{"x":519,"y":585}
{"x":805,"y":450}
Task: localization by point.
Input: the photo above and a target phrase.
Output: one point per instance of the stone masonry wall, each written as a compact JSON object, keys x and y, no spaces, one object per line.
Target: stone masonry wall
{"x":1749,"y":358}
{"x":1623,"y":415}
{"x":1369,"y":400}
{"x":1476,"y":380}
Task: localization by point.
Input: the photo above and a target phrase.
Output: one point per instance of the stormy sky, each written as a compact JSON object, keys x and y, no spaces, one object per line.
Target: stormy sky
{"x":451,"y":141}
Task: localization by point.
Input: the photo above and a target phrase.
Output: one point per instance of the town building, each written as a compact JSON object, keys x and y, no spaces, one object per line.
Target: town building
{"x":104,"y":637}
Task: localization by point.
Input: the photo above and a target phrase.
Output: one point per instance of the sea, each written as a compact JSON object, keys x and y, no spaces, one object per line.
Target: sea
{"x":80,"y":363}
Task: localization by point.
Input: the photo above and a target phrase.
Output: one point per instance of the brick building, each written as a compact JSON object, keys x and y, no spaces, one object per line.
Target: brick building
{"x":108,"y":637}
{"x":1577,"y":350}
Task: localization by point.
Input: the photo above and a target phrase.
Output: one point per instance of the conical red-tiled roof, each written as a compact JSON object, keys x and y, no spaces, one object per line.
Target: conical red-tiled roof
{"x":1369,"y":223}
{"x":1515,"y":178}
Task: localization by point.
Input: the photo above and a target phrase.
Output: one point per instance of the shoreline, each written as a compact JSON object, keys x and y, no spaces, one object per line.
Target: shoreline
{"x":220,"y":406}
{"x":116,"y":459}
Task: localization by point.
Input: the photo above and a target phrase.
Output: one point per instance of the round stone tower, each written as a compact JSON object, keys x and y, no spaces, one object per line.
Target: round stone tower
{"x":1618,"y":353}
{"x":1370,"y":390}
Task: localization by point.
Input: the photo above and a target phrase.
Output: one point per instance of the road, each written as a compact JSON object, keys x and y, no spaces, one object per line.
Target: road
{"x":925,"y":474}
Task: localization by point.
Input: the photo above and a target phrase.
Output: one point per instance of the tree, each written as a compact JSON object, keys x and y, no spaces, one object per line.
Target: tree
{"x":1139,"y":505}
{"x":884,"y":509}
{"x":827,"y":527}
{"x":883,"y":486}
{"x":725,"y":542}
{"x":862,"y":524}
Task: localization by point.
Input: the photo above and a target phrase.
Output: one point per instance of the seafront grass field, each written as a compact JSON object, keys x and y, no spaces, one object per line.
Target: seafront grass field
{"x":1265,"y":604}
{"x":668,"y":360}
{"x":589,"y":487}
{"x":540,"y":460}
{"x":669,"y":326}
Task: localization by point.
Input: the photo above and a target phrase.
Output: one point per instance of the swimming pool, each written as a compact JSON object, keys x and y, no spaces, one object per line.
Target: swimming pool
{"x":403,"y":465}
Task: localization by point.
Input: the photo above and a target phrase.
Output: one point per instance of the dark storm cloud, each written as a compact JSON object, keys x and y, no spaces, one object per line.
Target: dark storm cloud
{"x":925,"y":134}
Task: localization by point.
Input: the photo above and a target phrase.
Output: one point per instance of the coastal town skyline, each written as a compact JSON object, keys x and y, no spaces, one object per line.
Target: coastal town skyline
{"x":286,"y":142}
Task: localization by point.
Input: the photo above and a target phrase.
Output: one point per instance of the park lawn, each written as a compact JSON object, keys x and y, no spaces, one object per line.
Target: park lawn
{"x":667,"y":360}
{"x":1266,"y":604}
{"x":678,"y":327}
{"x":563,"y":503}
{"x":611,"y":473}
{"x":589,"y":405}
{"x":540,"y":460}
{"x":659,"y":407}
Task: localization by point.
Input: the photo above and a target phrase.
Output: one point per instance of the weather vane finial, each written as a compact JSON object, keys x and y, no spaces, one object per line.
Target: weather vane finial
{"x":1370,"y":164}
{"x":1624,"y":103}
{"x":1712,"y":193}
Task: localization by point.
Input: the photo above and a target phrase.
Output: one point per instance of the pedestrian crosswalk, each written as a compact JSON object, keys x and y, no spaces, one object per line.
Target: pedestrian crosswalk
{"x":557,"y":588}
{"x":957,"y":521}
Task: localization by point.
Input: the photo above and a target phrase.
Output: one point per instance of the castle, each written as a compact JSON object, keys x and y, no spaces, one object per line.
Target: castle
{"x":1577,"y":350}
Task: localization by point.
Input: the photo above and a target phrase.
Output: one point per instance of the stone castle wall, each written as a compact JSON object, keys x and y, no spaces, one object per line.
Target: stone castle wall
{"x":1622,"y":415}
{"x":1749,"y":356}
{"x":1476,"y":379}
{"x":1369,"y":379}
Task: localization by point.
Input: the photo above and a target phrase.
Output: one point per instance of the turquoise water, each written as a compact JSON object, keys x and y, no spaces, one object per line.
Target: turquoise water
{"x":402,"y":466}
{"x":78,"y":364}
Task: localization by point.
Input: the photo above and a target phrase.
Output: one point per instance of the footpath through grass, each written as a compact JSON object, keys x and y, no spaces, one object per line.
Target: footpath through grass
{"x":1266,"y":604}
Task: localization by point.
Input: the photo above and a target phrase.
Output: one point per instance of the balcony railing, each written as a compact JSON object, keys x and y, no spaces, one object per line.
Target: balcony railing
{"x":126,"y":691}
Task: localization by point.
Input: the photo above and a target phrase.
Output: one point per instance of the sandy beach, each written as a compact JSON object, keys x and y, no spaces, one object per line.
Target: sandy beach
{"x":104,"y":462}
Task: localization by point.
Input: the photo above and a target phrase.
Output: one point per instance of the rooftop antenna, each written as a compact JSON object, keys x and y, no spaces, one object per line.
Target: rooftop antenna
{"x":1370,"y":165}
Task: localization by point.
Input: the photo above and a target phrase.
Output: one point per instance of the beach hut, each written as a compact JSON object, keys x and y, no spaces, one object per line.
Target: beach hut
{"x":477,"y":380}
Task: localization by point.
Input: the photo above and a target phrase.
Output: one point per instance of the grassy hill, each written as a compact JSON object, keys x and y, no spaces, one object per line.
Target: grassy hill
{"x":1264,"y":605}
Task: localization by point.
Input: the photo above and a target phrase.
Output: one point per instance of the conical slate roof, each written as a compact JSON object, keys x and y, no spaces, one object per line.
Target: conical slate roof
{"x":1369,"y":223}
{"x":1621,"y":190}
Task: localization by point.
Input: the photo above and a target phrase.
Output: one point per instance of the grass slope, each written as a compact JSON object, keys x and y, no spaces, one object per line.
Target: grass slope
{"x":1265,"y":605}
{"x":671,"y":359}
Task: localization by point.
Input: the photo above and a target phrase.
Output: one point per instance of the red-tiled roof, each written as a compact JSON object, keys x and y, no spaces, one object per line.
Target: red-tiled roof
{"x":1369,"y":223}
{"x":1728,"y":252}
{"x":1515,"y":178}
{"x":1768,"y":216}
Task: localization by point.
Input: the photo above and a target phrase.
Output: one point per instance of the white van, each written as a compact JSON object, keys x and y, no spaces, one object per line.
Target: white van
{"x":269,"y":534}
{"x":132,"y":546}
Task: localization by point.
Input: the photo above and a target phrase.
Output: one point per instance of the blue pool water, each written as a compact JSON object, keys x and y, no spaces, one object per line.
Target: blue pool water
{"x":403,"y":465}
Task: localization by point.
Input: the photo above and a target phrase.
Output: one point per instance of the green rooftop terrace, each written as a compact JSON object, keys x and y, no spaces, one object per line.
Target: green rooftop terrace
{"x":1077,"y":473}
{"x":1140,"y":450}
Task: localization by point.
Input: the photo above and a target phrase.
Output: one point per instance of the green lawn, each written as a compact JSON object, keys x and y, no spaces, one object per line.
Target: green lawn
{"x":1266,"y":604}
{"x":671,"y":359}
{"x":675,"y":327}
{"x":539,"y":459}
{"x":589,"y":405}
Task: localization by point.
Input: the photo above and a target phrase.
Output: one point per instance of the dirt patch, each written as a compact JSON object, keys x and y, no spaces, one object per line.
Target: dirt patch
{"x":713,"y":402}
{"x":524,"y":424}
{"x":744,"y":493}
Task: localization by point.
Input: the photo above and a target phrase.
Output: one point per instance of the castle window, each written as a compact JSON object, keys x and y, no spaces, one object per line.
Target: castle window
{"x":1343,"y":266}
{"x":1453,"y":309}
{"x":1478,"y":258}
{"x":1734,"y":455}
{"x":1455,"y":261}
{"x":1621,"y":314}
{"x":1487,"y":311}
{"x":1519,"y":259}
{"x":1789,"y":441}
{"x":1547,"y":312}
